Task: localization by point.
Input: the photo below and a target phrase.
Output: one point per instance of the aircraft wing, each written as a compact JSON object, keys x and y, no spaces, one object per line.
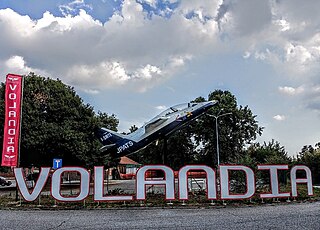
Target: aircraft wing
{"x":154,"y":124}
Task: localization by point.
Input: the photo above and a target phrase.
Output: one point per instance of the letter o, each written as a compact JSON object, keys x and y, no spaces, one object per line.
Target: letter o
{"x":11,"y":131}
{"x":12,"y":96}
{"x":84,"y":184}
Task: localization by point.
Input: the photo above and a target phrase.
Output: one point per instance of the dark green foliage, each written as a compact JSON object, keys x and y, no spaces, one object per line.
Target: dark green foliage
{"x":235,"y":130}
{"x":57,"y":124}
{"x":181,"y":150}
{"x":267,"y":153}
{"x":310,"y":157}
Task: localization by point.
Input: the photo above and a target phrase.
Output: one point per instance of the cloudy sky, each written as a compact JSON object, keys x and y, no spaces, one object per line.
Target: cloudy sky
{"x":135,"y":57}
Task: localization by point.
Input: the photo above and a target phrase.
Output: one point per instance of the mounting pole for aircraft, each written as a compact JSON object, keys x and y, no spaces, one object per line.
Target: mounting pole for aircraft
{"x":217,"y":132}
{"x":108,"y":178}
{"x":164,"y":151}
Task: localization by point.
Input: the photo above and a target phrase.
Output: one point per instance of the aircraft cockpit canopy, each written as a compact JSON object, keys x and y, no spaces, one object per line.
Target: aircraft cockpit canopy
{"x":177,"y":108}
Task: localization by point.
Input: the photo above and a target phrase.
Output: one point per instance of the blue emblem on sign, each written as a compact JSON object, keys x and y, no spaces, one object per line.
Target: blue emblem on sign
{"x":57,"y":163}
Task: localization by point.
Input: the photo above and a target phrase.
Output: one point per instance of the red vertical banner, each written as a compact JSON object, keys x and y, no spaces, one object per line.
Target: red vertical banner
{"x":13,"y":95}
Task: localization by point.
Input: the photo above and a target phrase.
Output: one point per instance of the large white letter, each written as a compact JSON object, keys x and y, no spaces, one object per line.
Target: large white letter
{"x":21,"y":183}
{"x":168,"y":181}
{"x":84,"y":184}
{"x":224,"y":182}
{"x":274,"y":182}
{"x":295,"y":181}
{"x":99,"y":187}
{"x":183,"y":181}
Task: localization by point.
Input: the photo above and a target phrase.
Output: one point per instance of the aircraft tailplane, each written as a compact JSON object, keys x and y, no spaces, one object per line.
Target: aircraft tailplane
{"x":108,"y":137}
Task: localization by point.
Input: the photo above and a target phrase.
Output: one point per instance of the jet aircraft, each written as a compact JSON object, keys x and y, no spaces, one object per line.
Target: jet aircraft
{"x":159,"y":127}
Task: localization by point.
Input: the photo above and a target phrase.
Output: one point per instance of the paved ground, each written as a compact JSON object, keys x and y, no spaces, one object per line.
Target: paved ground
{"x":280,"y":216}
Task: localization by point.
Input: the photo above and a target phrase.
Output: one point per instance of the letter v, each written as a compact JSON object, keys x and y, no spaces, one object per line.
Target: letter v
{"x":21,"y":183}
{"x":12,"y":87}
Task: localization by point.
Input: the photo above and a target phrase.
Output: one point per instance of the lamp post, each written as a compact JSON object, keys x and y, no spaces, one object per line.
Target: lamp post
{"x":217,"y":132}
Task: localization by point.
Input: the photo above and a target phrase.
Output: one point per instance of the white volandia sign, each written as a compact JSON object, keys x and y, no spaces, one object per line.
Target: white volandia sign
{"x":168,"y":182}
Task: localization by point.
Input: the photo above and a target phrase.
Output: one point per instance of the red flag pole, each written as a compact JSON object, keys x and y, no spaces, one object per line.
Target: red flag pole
{"x":20,"y":130}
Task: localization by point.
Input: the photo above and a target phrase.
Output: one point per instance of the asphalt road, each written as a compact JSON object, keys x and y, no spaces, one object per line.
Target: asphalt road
{"x":280,"y":216}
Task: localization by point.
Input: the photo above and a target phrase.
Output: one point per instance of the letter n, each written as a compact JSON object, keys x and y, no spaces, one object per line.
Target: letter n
{"x":211,"y":181}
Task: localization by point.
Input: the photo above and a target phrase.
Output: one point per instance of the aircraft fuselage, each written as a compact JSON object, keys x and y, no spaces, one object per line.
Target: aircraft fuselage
{"x":159,"y":127}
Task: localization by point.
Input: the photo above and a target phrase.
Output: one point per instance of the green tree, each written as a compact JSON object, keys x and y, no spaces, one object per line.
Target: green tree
{"x":236,"y":130}
{"x":196,"y":142}
{"x":267,"y":153}
{"x":179,"y":151}
{"x":310,"y":157}
{"x":97,"y":157}
{"x":56,"y":123}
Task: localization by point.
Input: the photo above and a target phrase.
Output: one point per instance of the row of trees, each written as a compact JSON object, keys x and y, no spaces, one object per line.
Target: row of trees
{"x":58,"y":124}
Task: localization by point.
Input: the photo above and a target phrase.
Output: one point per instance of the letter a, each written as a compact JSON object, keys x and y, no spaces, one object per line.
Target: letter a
{"x":168,"y":181}
{"x":295,"y":180}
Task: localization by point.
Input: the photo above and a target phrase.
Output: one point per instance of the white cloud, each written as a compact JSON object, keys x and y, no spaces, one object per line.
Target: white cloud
{"x":290,"y":90}
{"x":279,"y":117}
{"x":149,"y":71}
{"x":92,"y":91}
{"x":312,"y":98}
{"x":309,"y":94}
{"x":112,"y":74}
{"x":261,"y":55}
{"x":129,"y":49}
{"x":283,"y":24}
{"x":73,"y":7}
{"x":133,"y":50}
{"x":17,"y":64}
{"x":152,"y":3}
{"x":201,"y":8}
{"x":246,"y":55}
{"x":12,"y":22}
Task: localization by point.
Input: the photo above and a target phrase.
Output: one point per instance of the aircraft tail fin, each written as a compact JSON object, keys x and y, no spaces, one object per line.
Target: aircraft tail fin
{"x":108,"y":137}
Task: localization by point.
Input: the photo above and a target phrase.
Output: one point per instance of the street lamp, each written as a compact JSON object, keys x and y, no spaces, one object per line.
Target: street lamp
{"x":217,"y":132}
